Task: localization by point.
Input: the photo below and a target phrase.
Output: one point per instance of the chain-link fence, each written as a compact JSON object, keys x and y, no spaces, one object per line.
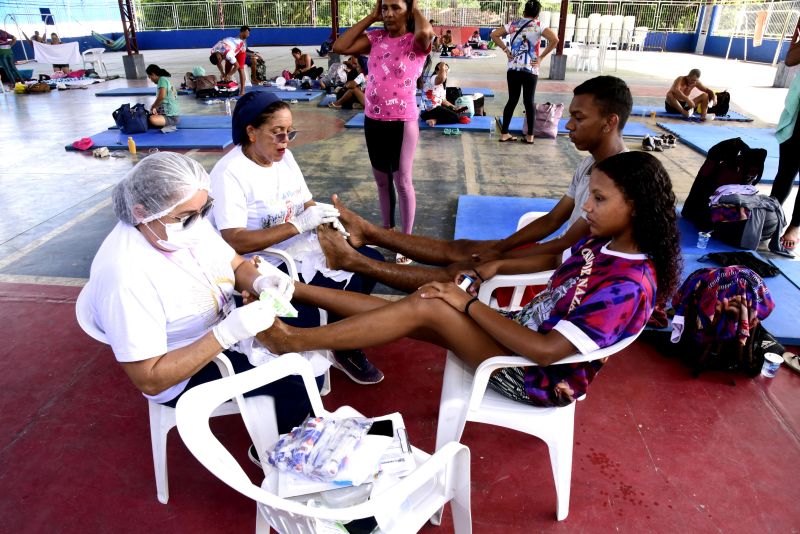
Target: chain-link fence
{"x":741,"y":20}
{"x":657,"y":16}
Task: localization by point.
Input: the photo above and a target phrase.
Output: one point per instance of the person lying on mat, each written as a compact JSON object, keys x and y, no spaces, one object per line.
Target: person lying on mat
{"x":165,"y":110}
{"x":442,"y":111}
{"x":678,"y":97}
{"x":161,"y":288}
{"x":604,"y":292}
{"x":598,"y":112}
{"x":262,"y":200}
{"x":229,"y":56}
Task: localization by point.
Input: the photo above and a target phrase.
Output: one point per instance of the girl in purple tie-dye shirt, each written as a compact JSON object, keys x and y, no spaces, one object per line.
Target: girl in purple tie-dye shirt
{"x":603,"y":293}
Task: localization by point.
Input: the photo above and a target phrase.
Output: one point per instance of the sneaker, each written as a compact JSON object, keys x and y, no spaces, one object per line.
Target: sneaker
{"x":659,"y":146}
{"x":253,"y":455}
{"x":648,"y":143}
{"x":354,"y":363}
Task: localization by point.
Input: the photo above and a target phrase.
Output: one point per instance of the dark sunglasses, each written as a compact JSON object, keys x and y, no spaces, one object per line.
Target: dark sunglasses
{"x":188,"y":220}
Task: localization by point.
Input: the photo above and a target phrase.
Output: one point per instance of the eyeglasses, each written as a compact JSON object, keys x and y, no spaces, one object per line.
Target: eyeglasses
{"x":283,"y":137}
{"x":188,"y":220}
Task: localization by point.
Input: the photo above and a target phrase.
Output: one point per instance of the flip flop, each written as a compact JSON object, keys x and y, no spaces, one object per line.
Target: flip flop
{"x":792,"y":360}
{"x":526,"y":141}
{"x":510,"y":139}
{"x":333,"y":105}
{"x":402,"y":260}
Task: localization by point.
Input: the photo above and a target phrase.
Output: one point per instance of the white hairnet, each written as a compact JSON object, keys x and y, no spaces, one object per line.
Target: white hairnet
{"x":157,"y":184}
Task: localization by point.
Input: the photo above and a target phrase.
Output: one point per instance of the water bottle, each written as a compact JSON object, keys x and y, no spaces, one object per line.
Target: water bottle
{"x":131,"y":145}
{"x":227,"y":106}
{"x":702,"y":239}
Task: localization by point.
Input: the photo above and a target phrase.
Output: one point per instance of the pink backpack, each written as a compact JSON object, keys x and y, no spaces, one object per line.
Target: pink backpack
{"x":547,"y":117}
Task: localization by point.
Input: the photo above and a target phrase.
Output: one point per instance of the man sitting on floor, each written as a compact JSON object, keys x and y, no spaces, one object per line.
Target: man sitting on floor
{"x":599,"y":110}
{"x":678,"y":97}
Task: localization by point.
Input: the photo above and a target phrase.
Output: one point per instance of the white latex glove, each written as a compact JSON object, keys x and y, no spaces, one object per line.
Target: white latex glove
{"x":337,"y":224}
{"x":313,"y":216}
{"x":273,"y":278}
{"x":243,"y":323}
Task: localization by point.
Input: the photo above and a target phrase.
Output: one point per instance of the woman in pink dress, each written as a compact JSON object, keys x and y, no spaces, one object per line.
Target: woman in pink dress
{"x":396,"y":56}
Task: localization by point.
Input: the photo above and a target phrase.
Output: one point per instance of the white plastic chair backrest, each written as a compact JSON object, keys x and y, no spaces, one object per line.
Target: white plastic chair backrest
{"x":526,"y":218}
{"x":83,"y":312}
{"x":545,"y":19}
{"x":90,"y":53}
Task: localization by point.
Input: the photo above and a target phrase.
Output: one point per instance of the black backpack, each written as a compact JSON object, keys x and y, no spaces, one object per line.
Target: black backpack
{"x":723,"y":104}
{"x":261,"y":70}
{"x":728,"y":162}
{"x":452,"y":94}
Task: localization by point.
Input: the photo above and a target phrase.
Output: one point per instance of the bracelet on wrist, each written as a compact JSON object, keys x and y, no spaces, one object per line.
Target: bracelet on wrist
{"x":466,"y":308}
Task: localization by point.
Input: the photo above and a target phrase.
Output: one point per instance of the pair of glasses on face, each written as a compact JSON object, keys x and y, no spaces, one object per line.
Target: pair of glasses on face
{"x":188,"y":220}
{"x":284,"y":137}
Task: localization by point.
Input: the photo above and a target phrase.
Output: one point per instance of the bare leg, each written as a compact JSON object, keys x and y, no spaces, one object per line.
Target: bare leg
{"x":702,"y":101}
{"x":407,"y":278}
{"x":430,"y":320}
{"x":159,"y":121}
{"x":673,"y":102}
{"x":420,"y":248}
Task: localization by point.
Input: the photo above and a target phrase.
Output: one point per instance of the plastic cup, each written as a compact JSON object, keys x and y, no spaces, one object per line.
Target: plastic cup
{"x":702,"y":239}
{"x":771,"y":363}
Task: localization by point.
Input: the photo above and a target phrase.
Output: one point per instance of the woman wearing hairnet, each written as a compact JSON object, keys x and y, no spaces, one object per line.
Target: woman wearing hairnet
{"x":262,"y":200}
{"x":161,"y":288}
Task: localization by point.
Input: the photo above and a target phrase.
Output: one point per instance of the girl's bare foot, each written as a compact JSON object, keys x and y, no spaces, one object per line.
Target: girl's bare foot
{"x":353,"y":223}
{"x":338,"y":253}
{"x":277,"y":337}
{"x":431,"y":122}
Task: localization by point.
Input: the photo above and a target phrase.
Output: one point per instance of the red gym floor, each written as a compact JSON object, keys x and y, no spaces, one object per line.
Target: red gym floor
{"x":655,"y":450}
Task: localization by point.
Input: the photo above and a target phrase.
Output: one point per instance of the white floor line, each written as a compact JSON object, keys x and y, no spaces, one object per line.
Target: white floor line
{"x":42,"y":280}
{"x":30,"y":247}
{"x":470,"y":178}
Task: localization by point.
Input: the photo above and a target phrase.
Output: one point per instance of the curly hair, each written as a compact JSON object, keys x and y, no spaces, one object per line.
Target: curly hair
{"x":643,"y":181}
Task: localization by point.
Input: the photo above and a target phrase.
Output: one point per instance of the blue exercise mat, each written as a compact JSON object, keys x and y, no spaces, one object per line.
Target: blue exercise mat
{"x":215,"y":138}
{"x":632,"y":129}
{"x":789,"y":268}
{"x":200,"y":122}
{"x":137,"y":91}
{"x":645,"y":111}
{"x":702,"y":137}
{"x":327,"y":99}
{"x":782,"y":322}
{"x":689,"y":240}
{"x":485,"y":91}
{"x":478,"y":124}
{"x":490,"y":217}
{"x":303,"y":95}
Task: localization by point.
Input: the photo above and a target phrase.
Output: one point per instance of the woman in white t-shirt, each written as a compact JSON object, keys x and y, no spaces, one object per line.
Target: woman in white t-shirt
{"x":161,"y":288}
{"x":523,"y":64}
{"x":262,"y":201}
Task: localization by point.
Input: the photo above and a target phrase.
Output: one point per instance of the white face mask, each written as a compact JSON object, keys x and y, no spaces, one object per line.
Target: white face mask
{"x":179,"y":237}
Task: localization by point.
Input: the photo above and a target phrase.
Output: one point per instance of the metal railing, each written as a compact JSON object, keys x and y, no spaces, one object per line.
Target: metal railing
{"x":662,"y":15}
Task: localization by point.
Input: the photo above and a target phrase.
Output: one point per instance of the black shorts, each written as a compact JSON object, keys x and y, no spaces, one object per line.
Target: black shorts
{"x":671,"y":109}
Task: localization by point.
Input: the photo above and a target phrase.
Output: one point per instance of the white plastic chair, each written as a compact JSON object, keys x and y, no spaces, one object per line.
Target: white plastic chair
{"x":515,"y":281}
{"x":162,"y":418}
{"x":466,"y":397}
{"x":581,"y":30}
{"x":94,"y":57}
{"x":593,"y":28}
{"x":401,"y":508}
{"x":628,"y":24}
{"x":569,"y":31}
{"x":639,"y":38}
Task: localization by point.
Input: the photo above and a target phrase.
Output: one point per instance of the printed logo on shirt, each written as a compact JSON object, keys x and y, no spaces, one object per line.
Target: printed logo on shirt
{"x":583,"y":281}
